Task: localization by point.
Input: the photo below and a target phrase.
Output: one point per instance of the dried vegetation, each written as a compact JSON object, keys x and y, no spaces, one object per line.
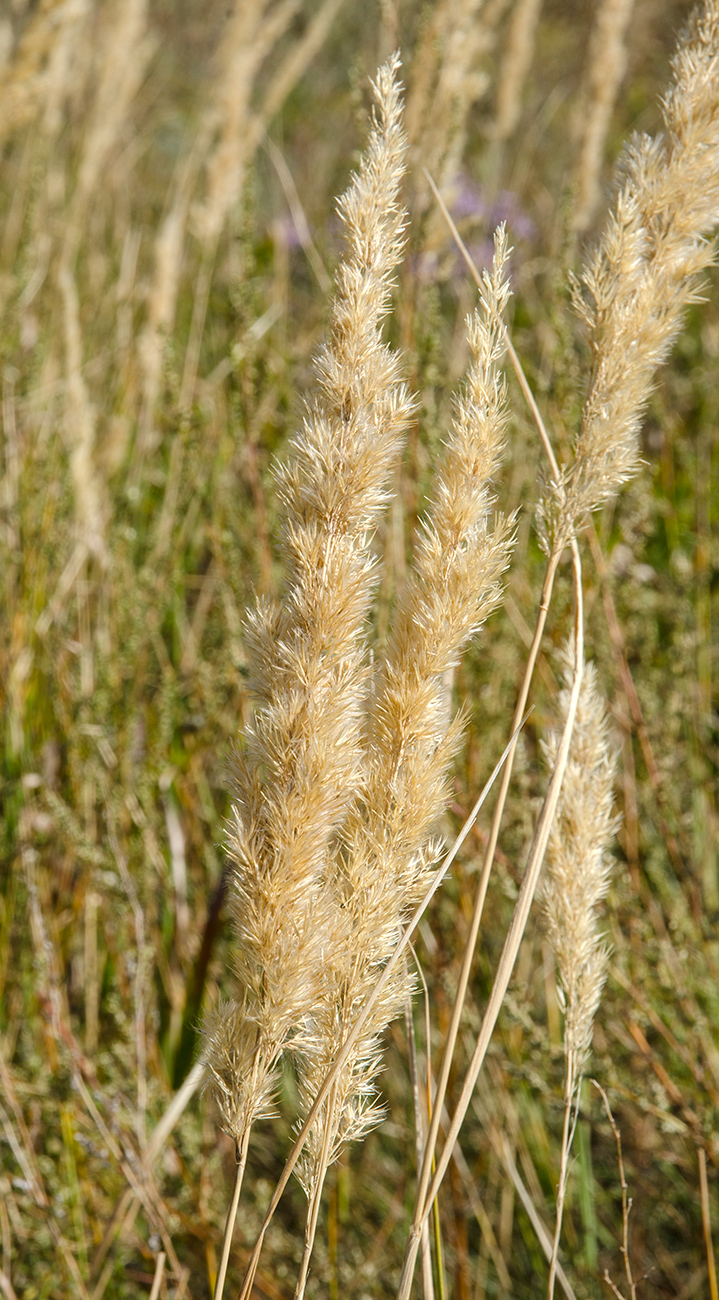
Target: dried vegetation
{"x":428,"y":444}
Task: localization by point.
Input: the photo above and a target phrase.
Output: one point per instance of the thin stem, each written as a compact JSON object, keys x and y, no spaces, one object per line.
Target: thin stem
{"x":531,"y":1211}
{"x":523,"y":383}
{"x":313,"y":1208}
{"x":706,"y":1221}
{"x":482,"y":886}
{"x":197,"y":325}
{"x":429,"y":1092}
{"x":159,"y":1274}
{"x":241,"y":1161}
{"x":436,"y":1226}
{"x":509,"y":952}
{"x":427,"y":1280}
{"x":364,"y":1015}
{"x":626,"y":1198}
{"x":568,"y":1128}
{"x":441,"y":1283}
{"x":487,"y":864}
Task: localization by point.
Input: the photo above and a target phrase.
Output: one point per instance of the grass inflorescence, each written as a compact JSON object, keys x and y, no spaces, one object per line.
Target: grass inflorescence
{"x":357,"y":649}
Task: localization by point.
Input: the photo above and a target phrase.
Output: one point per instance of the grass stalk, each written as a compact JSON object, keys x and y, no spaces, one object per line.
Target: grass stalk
{"x":429,"y":1185}
{"x":159,"y":1275}
{"x":707,"y":1224}
{"x":520,"y":707}
{"x":568,"y":1128}
{"x":481,"y":892}
{"x":530,"y":1210}
{"x":626,"y":1200}
{"x":315,"y":1200}
{"x":240,"y":1162}
{"x":419,"y":1126}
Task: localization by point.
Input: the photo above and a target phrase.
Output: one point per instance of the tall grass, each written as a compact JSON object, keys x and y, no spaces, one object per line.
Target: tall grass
{"x":411,"y":441}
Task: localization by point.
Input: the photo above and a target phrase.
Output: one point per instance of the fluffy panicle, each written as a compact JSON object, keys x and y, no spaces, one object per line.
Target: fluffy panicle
{"x":453,"y":588}
{"x":387,"y":853}
{"x":303,"y":760}
{"x":644,"y":273}
{"x":577,"y":865}
{"x":230,"y":1041}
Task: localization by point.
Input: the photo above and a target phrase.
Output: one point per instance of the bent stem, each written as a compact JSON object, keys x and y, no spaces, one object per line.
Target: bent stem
{"x":571,"y":1094}
{"x":509,"y":952}
{"x":241,"y":1161}
{"x":626,"y":1198}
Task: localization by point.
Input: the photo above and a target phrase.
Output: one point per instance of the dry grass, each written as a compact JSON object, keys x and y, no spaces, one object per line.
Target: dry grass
{"x":165,"y":223}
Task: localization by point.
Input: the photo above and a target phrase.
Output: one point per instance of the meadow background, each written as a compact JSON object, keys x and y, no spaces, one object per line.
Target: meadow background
{"x":167,"y":242}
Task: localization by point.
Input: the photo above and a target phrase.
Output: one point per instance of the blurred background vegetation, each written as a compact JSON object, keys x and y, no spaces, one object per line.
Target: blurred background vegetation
{"x":167,"y":240}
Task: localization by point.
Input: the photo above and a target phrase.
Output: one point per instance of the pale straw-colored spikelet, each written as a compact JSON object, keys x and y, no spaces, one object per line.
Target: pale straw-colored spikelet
{"x":607,"y":61}
{"x":515,"y":66}
{"x":455,"y":584}
{"x":578,"y":866}
{"x":303,"y":762}
{"x":388,"y":846}
{"x":645,"y":271}
{"x":253,"y":28}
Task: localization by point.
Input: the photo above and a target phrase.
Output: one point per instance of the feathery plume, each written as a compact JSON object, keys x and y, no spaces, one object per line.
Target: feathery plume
{"x":297,"y":779}
{"x":387,"y":850}
{"x":577,"y":866}
{"x":645,"y":271}
{"x":577,"y":879}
